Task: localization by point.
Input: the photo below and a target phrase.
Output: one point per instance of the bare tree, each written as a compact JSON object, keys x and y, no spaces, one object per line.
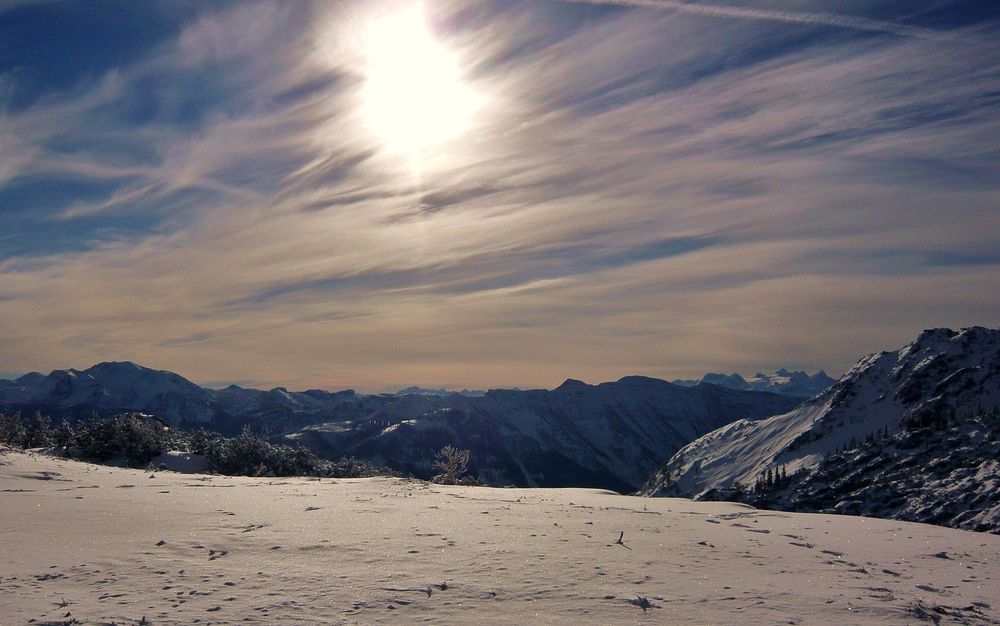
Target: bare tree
{"x":453,"y":463}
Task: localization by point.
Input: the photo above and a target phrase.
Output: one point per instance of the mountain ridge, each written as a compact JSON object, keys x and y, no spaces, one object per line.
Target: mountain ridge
{"x":941,"y":370}
{"x":613,"y":434}
{"x":789,"y":383}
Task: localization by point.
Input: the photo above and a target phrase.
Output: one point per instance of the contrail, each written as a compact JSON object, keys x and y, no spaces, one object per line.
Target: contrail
{"x":821,"y":19}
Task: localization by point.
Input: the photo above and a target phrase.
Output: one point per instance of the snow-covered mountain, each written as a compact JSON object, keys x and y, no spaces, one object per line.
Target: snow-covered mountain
{"x":942,"y":372}
{"x":110,"y":386}
{"x":124,"y":386}
{"x":797,"y":384}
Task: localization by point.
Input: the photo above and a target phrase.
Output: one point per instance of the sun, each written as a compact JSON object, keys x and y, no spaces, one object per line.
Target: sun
{"x":414,"y":97}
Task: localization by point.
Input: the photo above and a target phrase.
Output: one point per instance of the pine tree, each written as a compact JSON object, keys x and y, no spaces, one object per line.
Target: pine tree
{"x":38,"y":433}
{"x":12,"y":429}
{"x":63,"y":436}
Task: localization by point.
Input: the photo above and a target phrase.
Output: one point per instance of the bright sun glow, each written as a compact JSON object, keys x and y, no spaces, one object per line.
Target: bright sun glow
{"x":414,"y":95}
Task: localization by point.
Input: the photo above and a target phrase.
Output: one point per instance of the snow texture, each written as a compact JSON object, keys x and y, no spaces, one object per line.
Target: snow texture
{"x":944,"y":473}
{"x":90,"y":545}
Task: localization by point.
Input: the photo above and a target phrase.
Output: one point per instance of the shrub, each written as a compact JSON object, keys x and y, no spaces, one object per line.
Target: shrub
{"x":201,"y":441}
{"x":453,"y":464}
{"x":243,"y":455}
{"x":137,"y":437}
{"x":250,"y":454}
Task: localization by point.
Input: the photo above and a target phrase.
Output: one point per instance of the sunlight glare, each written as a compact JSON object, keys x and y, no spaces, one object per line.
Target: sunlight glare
{"x":414,"y":97}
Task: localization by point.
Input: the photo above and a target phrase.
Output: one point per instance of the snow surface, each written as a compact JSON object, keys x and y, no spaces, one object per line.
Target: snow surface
{"x":103,"y":545}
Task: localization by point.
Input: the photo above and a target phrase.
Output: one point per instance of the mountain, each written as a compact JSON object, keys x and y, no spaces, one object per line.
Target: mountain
{"x":942,"y":373}
{"x":423,"y":391}
{"x":797,"y":384}
{"x":609,"y":435}
{"x":110,"y":386}
{"x":123,"y":386}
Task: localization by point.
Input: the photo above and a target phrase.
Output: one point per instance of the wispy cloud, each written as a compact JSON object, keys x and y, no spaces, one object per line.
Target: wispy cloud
{"x":791,"y":17}
{"x":645,"y":191}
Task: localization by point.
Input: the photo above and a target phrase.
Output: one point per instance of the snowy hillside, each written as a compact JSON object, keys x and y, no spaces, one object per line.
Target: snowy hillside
{"x":798,"y":384}
{"x":941,"y":371}
{"x":944,"y":471}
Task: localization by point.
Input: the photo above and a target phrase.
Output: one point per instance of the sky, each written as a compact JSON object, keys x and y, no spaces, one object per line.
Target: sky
{"x":489,"y":194}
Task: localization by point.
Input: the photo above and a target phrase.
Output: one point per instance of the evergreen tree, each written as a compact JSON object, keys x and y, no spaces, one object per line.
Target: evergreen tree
{"x":38,"y":434}
{"x":63,"y":435}
{"x":12,"y":430}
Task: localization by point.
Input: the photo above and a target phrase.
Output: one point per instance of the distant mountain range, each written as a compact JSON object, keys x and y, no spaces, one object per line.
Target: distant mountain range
{"x":863,"y":445}
{"x":423,"y":391}
{"x":912,"y":433}
{"x":124,"y":386}
{"x":610,"y":435}
{"x":796,"y":384}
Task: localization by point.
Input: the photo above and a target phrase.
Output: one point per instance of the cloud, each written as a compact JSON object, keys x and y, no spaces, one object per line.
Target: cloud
{"x":645,"y":192}
{"x":793,"y":17}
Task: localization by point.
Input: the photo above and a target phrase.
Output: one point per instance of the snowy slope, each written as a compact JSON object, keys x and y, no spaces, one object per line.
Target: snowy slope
{"x":942,"y":370}
{"x":943,"y":472}
{"x":233,"y":550}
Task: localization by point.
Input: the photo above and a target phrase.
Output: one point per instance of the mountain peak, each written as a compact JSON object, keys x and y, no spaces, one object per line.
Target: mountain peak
{"x":115,"y":365}
{"x":572,"y":384}
{"x":733,"y":380}
{"x":934,"y":334}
